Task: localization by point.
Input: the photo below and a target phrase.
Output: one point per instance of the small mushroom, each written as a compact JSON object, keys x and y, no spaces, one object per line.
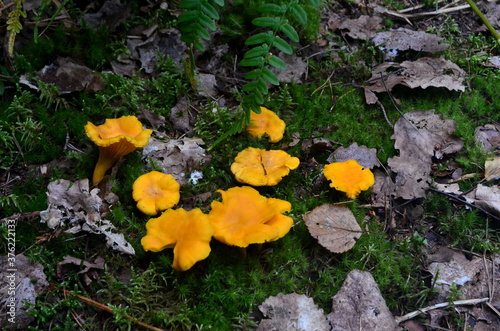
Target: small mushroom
{"x":267,"y":122}
{"x":188,"y":232}
{"x":155,"y":192}
{"x":349,"y":177}
{"x":258,"y":167}
{"x":245,"y":217}
{"x":116,"y":138}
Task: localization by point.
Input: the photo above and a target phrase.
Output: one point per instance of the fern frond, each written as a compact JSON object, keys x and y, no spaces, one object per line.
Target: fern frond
{"x":200,"y":16}
{"x":14,"y":25}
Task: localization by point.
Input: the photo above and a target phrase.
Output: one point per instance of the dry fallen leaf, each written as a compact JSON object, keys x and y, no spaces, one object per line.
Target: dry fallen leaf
{"x":178,"y":157}
{"x":292,"y":312}
{"x":75,"y":205}
{"x":28,"y":280}
{"x":112,"y":14}
{"x":359,"y":305}
{"x":364,"y":27}
{"x":486,"y":197}
{"x":403,"y":39}
{"x":365,"y":156}
{"x":488,"y":136}
{"x":492,"y":168}
{"x":424,"y":72}
{"x":382,"y":191}
{"x":334,"y":226}
{"x":87,"y":273}
{"x":453,"y":267}
{"x":68,"y":76}
{"x":295,"y":69}
{"x":420,"y":136}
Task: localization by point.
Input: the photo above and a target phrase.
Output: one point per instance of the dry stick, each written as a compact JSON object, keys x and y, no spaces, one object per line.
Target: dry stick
{"x":104,"y":307}
{"x":437,"y":12}
{"x":465,"y":203}
{"x":440,"y":305}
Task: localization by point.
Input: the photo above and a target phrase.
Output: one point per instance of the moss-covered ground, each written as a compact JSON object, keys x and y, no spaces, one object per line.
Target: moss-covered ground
{"x":223,"y":292}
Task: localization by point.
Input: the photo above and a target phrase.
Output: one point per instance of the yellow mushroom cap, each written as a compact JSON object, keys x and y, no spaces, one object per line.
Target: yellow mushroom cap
{"x":155,"y":192}
{"x":267,"y":122}
{"x":116,"y":138}
{"x":188,"y":232}
{"x":245,"y":217}
{"x":258,"y":167}
{"x":349,"y":177}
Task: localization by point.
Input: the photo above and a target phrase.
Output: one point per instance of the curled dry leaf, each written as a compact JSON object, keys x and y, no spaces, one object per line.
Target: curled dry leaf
{"x":359,"y":305}
{"x":403,"y":39}
{"x":76,"y":205}
{"x":334,"y":226}
{"x":292,"y":312}
{"x":68,"y":76}
{"x":487,"y":198}
{"x":419,"y":136}
{"x":365,"y":156}
{"x":424,"y":72}
{"x":492,"y":168}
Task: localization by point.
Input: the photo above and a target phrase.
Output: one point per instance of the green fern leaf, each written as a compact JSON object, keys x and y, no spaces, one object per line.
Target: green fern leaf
{"x":253,"y":62}
{"x":277,"y":62}
{"x":254,"y":74}
{"x":219,"y":2}
{"x":270,"y":76}
{"x":209,"y":10}
{"x":189,"y":4}
{"x":272,"y":9}
{"x":282,"y":45}
{"x":299,"y":13}
{"x":262,"y":51}
{"x":268,"y":22}
{"x":315,"y":3}
{"x":260,"y":38}
{"x":289,"y":31}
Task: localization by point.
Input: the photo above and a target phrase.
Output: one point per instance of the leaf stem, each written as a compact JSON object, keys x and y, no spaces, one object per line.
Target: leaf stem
{"x":484,"y":20}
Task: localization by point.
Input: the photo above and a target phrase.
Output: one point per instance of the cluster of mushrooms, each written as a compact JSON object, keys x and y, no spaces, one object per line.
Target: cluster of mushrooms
{"x":243,"y":217}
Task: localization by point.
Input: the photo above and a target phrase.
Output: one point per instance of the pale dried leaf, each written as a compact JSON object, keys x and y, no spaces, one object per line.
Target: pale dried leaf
{"x":488,"y":137}
{"x":292,"y":312}
{"x":112,"y":14}
{"x":364,"y":27}
{"x":487,"y":198}
{"x":296,"y":68}
{"x":178,"y":157}
{"x":383,"y":190}
{"x":68,"y":76}
{"x":29,"y":280}
{"x":403,"y":39}
{"x":359,"y":305}
{"x":424,"y":72}
{"x":492,"y":168}
{"x":334,"y":226}
{"x":454,"y":268}
{"x":365,"y":156}
{"x":420,"y":135}
{"x":155,"y":120}
{"x":76,"y":206}
{"x":179,"y":117}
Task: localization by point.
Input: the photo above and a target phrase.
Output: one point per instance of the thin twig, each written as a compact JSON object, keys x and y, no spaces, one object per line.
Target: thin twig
{"x":103,"y":307}
{"x":440,"y":305}
{"x":465,"y":203}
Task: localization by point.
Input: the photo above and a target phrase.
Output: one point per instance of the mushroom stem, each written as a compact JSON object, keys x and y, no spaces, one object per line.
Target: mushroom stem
{"x":104,"y":163}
